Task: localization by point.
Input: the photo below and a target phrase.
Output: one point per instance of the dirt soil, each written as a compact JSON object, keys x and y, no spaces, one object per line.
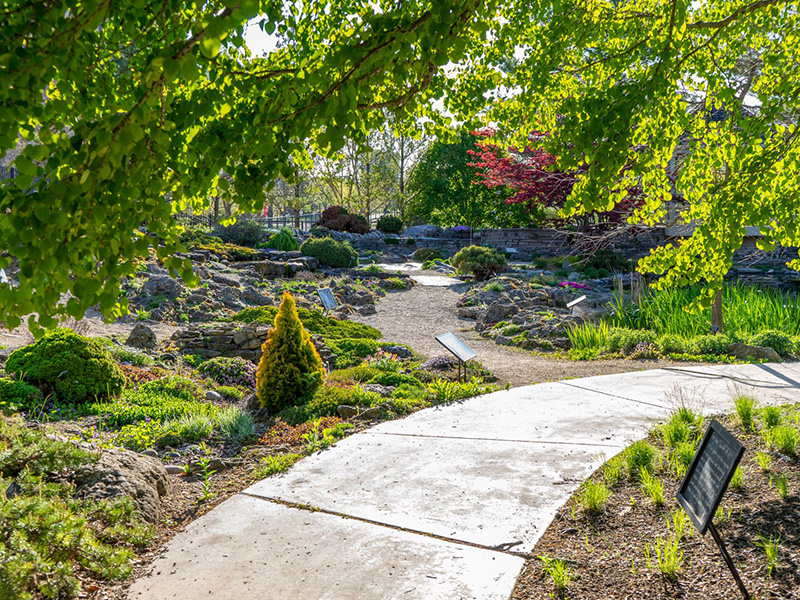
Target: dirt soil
{"x":606,"y":553}
{"x":416,"y":316}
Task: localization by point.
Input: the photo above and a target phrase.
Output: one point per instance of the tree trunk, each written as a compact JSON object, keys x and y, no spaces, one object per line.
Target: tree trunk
{"x":716,"y":314}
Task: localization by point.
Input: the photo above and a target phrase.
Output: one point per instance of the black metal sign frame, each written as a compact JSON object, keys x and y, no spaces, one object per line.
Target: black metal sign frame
{"x":707,"y":481}
{"x":708,"y":476}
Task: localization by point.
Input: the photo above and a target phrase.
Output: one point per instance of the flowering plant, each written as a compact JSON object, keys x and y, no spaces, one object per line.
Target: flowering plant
{"x":574,"y":286}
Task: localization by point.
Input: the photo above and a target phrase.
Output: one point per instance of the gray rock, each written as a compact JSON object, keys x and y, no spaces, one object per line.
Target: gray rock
{"x":216,"y":464}
{"x":222,"y":280}
{"x":424,"y":231}
{"x":499,"y":310}
{"x":381,"y":390}
{"x":502,"y":340}
{"x":252,"y":403}
{"x":345,"y":411}
{"x":173,"y":469}
{"x":212,"y":396}
{"x":469,"y":312}
{"x":150,"y":452}
{"x":574,"y":276}
{"x":256,"y":297}
{"x":566,"y":265}
{"x":142,"y":337}
{"x":743,"y":352}
{"x":122,"y":473}
{"x":399,"y":351}
{"x":162,"y":285}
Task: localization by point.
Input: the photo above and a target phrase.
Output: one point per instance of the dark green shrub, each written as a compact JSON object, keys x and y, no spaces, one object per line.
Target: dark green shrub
{"x":247,"y":231}
{"x":425,"y":254}
{"x":283,"y":240}
{"x":76,"y":368}
{"x":329,"y":252}
{"x":392,"y":241}
{"x":481,"y":262}
{"x":17,"y":395}
{"x":671,"y":343}
{"x":590,"y":273}
{"x":605,"y":259}
{"x":779,"y":341}
{"x":389,"y":224}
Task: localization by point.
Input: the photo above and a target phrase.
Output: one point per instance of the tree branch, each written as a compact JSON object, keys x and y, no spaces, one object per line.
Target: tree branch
{"x":743,"y":10}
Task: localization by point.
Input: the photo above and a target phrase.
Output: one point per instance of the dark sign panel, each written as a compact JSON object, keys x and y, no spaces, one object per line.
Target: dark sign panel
{"x":459,"y":349}
{"x":708,"y":476}
{"x":327,"y":297}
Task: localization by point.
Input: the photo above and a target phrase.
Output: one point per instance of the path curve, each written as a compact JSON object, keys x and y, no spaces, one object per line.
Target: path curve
{"x":414,"y":317}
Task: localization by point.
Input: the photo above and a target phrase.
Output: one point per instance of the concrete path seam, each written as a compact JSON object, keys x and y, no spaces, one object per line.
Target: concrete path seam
{"x":748,"y":382}
{"x":586,"y":389}
{"x":483,"y":439}
{"x":299,"y":506}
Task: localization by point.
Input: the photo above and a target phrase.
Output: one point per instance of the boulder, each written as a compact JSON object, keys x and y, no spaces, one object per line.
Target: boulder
{"x":162,"y":285}
{"x":399,"y":351}
{"x":431,"y":231}
{"x":743,"y":352}
{"x":499,"y":310}
{"x":142,"y":337}
{"x":122,"y":473}
{"x":469,"y":312}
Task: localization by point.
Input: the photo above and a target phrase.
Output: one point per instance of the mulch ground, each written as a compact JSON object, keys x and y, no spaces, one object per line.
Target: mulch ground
{"x":607,"y":558}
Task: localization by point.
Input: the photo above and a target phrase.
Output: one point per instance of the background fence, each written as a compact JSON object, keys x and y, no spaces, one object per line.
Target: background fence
{"x":306,"y":220}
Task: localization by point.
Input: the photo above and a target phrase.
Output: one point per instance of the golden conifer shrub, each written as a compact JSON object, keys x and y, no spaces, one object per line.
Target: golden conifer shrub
{"x":290,"y":367}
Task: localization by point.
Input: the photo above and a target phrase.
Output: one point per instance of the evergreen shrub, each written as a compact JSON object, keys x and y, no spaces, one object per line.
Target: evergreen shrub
{"x":76,"y":368}
{"x":329,"y":252}
{"x":389,"y":224}
{"x":290,"y":367}
{"x":283,"y":240}
{"x":480,"y":261}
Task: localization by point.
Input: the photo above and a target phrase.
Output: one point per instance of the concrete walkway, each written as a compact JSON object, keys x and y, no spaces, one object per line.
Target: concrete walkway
{"x":442,"y":504}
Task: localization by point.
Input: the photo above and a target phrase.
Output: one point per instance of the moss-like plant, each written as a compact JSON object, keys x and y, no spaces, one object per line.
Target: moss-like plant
{"x":76,"y":368}
{"x":290,"y":367}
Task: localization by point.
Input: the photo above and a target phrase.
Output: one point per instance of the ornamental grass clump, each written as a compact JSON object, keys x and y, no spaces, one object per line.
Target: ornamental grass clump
{"x":290,"y":368}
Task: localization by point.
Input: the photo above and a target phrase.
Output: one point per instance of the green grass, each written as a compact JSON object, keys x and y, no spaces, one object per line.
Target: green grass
{"x":271,"y":465}
{"x":588,"y":336}
{"x":653,"y":487}
{"x":666,"y":556}
{"x":639,"y":457}
{"x":784,"y":439}
{"x":593,"y":497}
{"x":745,"y":410}
{"x":771,"y":546}
{"x":559,"y":572}
{"x":748,"y":310}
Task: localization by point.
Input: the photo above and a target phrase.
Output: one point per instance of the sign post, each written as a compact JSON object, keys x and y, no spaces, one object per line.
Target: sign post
{"x":705,"y":483}
{"x":327,"y":298}
{"x":459,"y":349}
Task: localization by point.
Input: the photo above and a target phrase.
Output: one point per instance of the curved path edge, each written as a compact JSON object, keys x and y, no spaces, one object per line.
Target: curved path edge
{"x":445,"y":503}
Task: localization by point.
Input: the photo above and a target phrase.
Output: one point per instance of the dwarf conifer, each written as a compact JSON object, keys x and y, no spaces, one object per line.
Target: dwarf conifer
{"x":290,"y":367}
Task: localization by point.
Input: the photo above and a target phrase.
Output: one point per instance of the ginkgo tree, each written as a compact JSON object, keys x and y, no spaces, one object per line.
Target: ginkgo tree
{"x":128,"y":111}
{"x":666,"y":95}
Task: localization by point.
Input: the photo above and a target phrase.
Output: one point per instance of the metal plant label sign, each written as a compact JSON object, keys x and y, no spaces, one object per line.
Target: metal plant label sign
{"x":327,"y":298}
{"x":709,"y":474}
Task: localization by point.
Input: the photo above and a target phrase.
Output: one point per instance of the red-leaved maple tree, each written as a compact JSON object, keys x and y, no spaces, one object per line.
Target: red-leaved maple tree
{"x":531,"y":179}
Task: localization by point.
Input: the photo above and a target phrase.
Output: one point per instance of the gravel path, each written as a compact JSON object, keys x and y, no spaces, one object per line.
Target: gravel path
{"x":416,"y":316}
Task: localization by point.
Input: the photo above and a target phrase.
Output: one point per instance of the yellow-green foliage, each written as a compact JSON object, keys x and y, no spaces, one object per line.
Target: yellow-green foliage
{"x":290,"y":366}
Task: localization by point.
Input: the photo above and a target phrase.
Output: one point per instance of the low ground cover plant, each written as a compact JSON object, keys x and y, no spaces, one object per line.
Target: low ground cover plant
{"x":52,"y":540}
{"x":313,"y":320}
{"x":233,"y":371}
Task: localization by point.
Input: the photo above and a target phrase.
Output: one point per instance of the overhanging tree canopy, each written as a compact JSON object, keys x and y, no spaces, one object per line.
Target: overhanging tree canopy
{"x":132,"y":109}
